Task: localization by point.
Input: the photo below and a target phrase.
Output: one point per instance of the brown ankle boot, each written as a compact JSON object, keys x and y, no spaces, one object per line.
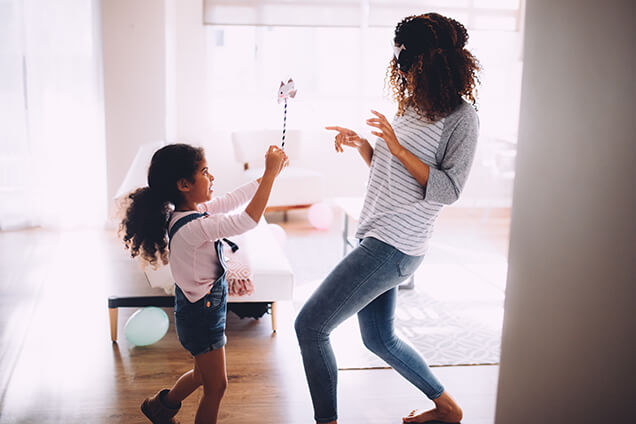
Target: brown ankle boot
{"x":157,"y":412}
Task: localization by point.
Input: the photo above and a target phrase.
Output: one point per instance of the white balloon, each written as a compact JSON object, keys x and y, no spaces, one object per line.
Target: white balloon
{"x":146,"y":326}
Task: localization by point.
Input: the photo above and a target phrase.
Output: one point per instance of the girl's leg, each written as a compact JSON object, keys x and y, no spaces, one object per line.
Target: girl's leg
{"x":368,"y":271}
{"x":185,"y":385}
{"x":211,"y":366}
{"x":376,"y":325}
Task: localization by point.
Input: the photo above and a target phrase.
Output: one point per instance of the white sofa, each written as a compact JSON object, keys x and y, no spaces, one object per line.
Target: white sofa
{"x":272,"y":276}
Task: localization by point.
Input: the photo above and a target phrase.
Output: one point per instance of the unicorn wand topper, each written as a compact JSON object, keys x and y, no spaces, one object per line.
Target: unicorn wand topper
{"x":286,"y":91}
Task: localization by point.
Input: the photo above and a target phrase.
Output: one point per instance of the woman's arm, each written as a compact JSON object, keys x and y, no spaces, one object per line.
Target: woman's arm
{"x":441,"y":185}
{"x":447,"y":182}
{"x":366,"y":151}
{"x":418,"y":169}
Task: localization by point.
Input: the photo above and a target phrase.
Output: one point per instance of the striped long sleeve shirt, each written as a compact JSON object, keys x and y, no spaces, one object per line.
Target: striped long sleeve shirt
{"x":397,"y":209}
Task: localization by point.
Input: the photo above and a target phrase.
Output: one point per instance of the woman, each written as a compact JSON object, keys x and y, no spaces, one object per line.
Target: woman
{"x":419,"y":164}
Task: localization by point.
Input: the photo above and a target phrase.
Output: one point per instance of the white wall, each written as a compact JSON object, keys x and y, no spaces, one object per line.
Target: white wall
{"x":134,"y":55}
{"x":193,"y":121}
{"x":568,"y":346}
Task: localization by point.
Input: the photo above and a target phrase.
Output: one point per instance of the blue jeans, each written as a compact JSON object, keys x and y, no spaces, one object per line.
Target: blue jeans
{"x":364,"y":282}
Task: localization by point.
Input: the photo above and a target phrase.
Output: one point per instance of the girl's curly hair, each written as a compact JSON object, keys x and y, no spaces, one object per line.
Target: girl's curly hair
{"x":435,"y":70}
{"x":144,"y":226}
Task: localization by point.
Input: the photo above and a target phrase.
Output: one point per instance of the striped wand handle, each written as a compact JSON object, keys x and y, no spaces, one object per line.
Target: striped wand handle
{"x":284,"y":125}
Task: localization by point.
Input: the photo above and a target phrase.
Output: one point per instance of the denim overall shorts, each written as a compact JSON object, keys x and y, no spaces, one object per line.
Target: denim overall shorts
{"x":201,"y":325}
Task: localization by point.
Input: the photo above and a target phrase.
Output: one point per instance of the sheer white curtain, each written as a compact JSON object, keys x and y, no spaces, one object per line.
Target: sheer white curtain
{"x":52,"y":140}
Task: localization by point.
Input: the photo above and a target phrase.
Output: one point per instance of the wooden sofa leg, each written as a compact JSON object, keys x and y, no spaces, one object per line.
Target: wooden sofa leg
{"x":113,"y":312}
{"x":274,"y":306}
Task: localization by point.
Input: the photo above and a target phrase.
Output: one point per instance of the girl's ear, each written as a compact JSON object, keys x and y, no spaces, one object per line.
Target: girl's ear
{"x":183,"y":185}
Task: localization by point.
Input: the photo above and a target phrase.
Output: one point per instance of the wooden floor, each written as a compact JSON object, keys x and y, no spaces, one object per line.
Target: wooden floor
{"x":58,"y":365}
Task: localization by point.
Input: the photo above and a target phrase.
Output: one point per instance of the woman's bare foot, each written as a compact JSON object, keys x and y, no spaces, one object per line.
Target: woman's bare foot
{"x":446,"y":410}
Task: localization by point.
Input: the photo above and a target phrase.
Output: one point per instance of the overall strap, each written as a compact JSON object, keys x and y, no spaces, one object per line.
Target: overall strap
{"x":217,"y":244}
{"x":232,"y":245}
{"x":219,"y":253}
{"x":181,"y":222}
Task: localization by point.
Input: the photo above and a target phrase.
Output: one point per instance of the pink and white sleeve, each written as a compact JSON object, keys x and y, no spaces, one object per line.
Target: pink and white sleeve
{"x":221,"y":225}
{"x":232,"y":200}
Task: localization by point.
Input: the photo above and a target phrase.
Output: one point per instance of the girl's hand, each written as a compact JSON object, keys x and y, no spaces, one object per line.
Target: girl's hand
{"x":275,"y":160}
{"x":346,"y":137}
{"x":240,"y":287}
{"x":385,"y":132}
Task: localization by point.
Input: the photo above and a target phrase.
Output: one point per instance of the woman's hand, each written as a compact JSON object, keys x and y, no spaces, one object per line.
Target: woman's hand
{"x":385,"y":132}
{"x":275,"y":160}
{"x":346,"y":137}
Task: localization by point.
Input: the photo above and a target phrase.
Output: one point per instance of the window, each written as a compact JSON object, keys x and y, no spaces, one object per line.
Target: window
{"x":338,"y":55}
{"x":51,"y":118}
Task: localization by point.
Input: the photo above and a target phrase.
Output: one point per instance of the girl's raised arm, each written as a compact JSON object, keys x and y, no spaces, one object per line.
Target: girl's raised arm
{"x":232,"y":200}
{"x":275,"y":160}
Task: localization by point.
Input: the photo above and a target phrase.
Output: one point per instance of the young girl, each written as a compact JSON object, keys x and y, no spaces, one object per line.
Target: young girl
{"x":419,"y":163}
{"x":190,"y":235}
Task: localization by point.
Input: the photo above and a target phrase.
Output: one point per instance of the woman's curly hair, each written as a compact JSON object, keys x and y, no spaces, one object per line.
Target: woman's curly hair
{"x":434,"y":70}
{"x":144,"y":226}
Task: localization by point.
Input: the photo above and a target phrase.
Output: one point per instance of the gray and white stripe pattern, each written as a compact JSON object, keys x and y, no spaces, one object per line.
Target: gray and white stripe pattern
{"x":394,"y":209}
